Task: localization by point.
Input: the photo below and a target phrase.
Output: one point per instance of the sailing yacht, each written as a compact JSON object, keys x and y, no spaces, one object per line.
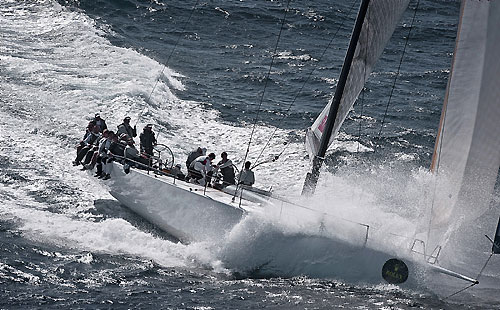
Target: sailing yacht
{"x":465,"y":162}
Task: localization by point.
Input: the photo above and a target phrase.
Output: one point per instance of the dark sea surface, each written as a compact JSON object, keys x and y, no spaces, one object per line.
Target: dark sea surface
{"x":66,"y":243}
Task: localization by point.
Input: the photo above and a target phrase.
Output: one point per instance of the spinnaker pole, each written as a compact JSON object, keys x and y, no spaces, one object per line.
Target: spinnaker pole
{"x":313,"y":176}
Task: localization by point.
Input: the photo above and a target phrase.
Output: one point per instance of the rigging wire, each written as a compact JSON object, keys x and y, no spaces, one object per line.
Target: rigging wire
{"x":265,"y":84}
{"x":460,"y":291}
{"x":484,"y":266}
{"x":362,"y":101}
{"x":261,"y":98}
{"x":399,"y":69}
{"x":186,"y":22}
{"x":275,"y":158}
{"x":477,"y":278}
{"x":303,"y":85}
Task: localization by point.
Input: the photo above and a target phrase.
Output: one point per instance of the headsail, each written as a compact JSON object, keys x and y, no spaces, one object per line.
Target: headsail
{"x":467,"y":152}
{"x":380,"y":22}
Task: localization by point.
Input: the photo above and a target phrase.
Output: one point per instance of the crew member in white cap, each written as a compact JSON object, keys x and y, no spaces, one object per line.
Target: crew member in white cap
{"x":100,"y":122}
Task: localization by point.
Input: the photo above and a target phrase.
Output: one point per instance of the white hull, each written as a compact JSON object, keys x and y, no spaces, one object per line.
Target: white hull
{"x":186,"y":211}
{"x":191,"y":212}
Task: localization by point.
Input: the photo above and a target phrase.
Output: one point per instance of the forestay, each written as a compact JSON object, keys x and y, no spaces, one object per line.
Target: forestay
{"x":467,"y":152}
{"x":380,"y":22}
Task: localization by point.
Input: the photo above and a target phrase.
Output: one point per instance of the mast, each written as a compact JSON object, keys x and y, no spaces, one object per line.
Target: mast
{"x":313,"y":176}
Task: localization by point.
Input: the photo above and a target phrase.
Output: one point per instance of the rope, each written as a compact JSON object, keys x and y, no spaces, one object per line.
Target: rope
{"x":265,"y":84}
{"x":399,"y":68}
{"x":168,"y":59}
{"x":303,"y":84}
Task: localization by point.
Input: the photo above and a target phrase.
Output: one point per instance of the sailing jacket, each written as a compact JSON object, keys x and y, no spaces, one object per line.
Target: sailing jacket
{"x":104,"y":145}
{"x":148,"y":140}
{"x":247,"y":177}
{"x":92,"y":138}
{"x":191,"y":157}
{"x":202,"y":164}
{"x":127,"y":129}
{"x":227,"y":171}
{"x":101,"y":123}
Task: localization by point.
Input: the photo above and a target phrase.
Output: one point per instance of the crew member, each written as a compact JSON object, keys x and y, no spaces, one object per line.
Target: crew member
{"x":91,"y":140}
{"x":193,"y":155}
{"x":176,"y":172}
{"x":246,"y":176}
{"x":226,"y":169}
{"x":100,"y":122}
{"x":148,"y":140}
{"x":201,"y":169}
{"x":126,"y":128}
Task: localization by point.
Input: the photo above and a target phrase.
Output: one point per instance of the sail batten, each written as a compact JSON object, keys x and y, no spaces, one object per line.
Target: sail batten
{"x":380,"y":21}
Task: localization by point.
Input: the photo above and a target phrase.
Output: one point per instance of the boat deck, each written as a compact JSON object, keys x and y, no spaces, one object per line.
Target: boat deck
{"x":241,"y":197}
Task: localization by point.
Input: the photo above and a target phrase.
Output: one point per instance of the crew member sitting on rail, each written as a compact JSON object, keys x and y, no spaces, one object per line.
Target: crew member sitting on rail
{"x":227,"y":171}
{"x":246,"y":176}
{"x":102,"y":152}
{"x":100,"y":122}
{"x":116,"y":148}
{"x":122,"y":143}
{"x":130,"y":151}
{"x":91,"y":157}
{"x":88,"y":143}
{"x":201,"y":169}
{"x":148,"y":140}
{"x":88,"y":131}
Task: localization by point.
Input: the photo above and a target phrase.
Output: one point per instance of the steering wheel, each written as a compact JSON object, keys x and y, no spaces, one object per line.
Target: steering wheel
{"x":165,"y":154}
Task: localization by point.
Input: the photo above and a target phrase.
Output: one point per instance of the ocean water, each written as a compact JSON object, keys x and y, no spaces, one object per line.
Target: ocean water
{"x":66,"y":243}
